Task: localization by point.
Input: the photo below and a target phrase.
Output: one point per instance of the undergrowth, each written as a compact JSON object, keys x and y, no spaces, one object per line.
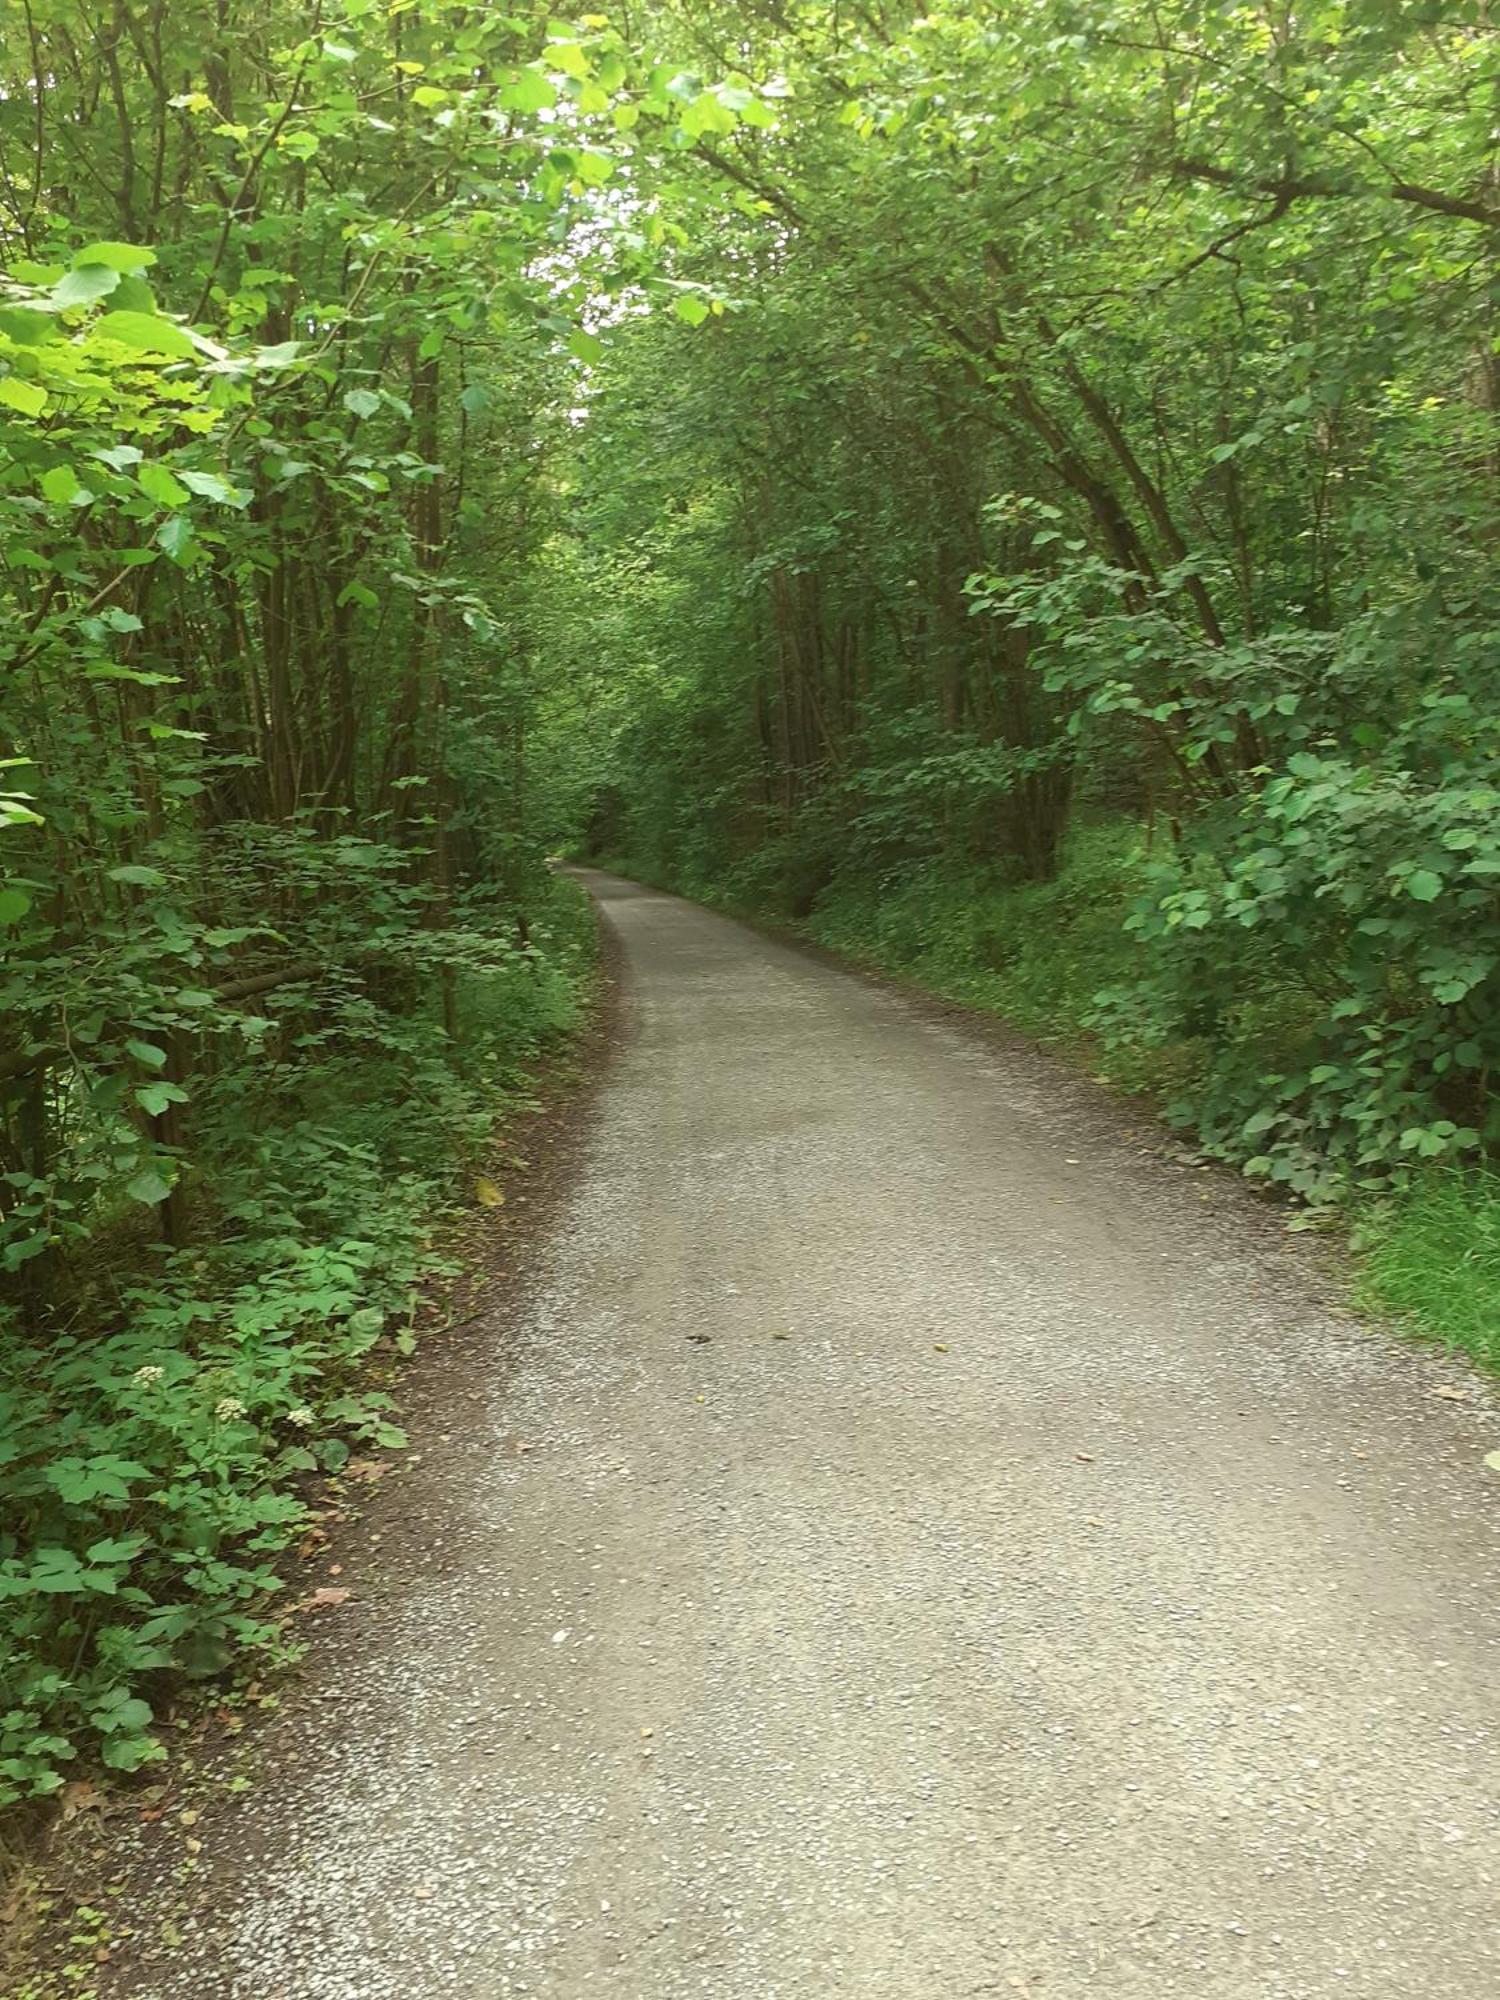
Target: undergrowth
{"x":1433,"y":1256}
{"x":158,"y":1431}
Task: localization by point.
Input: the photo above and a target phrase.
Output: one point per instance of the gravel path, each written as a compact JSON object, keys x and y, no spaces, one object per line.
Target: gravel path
{"x":923,"y":1539}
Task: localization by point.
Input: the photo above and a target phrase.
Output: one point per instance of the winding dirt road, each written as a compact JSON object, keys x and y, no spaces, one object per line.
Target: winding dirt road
{"x":923,"y":1539}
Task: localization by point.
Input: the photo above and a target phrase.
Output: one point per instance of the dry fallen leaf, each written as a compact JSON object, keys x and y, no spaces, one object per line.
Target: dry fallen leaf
{"x":1084,"y":1457}
{"x":80,"y":1796}
{"x":369,"y":1469}
{"x":328,"y":1594}
{"x":488,"y":1194}
{"x":1451,"y":1395}
{"x":940,"y":1347}
{"x":1492,"y":1460}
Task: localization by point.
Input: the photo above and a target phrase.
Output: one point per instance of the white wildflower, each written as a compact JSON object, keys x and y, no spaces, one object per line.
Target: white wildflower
{"x":145,"y":1377}
{"x":227,"y":1409}
{"x":303,"y":1418}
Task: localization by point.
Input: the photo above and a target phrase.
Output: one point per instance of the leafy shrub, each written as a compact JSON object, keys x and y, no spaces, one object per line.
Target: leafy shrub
{"x":1336,"y":943}
{"x":153,"y":1457}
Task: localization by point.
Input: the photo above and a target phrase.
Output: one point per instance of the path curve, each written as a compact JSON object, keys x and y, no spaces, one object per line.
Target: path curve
{"x":923,"y":1541}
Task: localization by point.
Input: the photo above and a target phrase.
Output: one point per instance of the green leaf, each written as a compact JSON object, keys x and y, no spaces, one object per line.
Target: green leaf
{"x":1424,"y":885}
{"x":280,"y":356}
{"x":128,"y":1753}
{"x":83,"y":285}
{"x":119,"y":256}
{"x":568,"y":57}
{"x":361,"y":402}
{"x":586,"y":346}
{"x":60,"y":485}
{"x":27,"y":328}
{"x":30,"y":398}
{"x":147,"y":333}
{"x":212,"y":486}
{"x":149,"y":1187}
{"x":139,"y":675}
{"x":14,"y":903}
{"x":530,"y":91}
{"x":137,"y":872}
{"x":175,"y":535}
{"x":128,"y":1714}
{"x":690,"y":307}
{"x":147,"y":1053}
{"x":134,"y":295}
{"x":120,"y":1548}
{"x":158,"y":483}
{"x":153,"y":1098}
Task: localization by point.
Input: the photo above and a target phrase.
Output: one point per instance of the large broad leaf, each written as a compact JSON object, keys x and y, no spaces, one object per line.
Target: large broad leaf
{"x":30,"y":398}
{"x":83,"y":286}
{"x":118,"y":256}
{"x":26,"y":327}
{"x":158,"y":483}
{"x":60,"y":485}
{"x":530,"y":91}
{"x":148,"y":334}
{"x":213,"y":486}
{"x":175,"y":536}
{"x":149,"y":1187}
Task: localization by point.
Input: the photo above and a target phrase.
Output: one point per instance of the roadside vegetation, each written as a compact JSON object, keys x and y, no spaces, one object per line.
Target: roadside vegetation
{"x":288,"y":346}
{"x":1068,"y":574}
{"x":1011,"y":488}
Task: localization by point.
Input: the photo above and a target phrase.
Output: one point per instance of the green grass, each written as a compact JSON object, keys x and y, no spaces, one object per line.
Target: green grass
{"x":1432,"y":1255}
{"x":1036,"y":953}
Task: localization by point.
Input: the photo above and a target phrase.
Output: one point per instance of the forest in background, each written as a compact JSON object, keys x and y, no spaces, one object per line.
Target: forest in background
{"x":1011,"y":488}
{"x":1067,"y":573}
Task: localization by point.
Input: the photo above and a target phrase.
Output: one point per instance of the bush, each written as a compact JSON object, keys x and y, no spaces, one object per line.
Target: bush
{"x":154,"y":1456}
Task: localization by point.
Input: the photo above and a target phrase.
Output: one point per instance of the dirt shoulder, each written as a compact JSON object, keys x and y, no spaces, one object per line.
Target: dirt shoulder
{"x":70,"y":1881}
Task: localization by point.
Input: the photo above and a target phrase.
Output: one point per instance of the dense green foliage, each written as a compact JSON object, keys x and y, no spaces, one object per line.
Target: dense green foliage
{"x":1013,"y":486}
{"x":1104,"y":435}
{"x":290,"y":330}
{"x":158,"y":1446}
